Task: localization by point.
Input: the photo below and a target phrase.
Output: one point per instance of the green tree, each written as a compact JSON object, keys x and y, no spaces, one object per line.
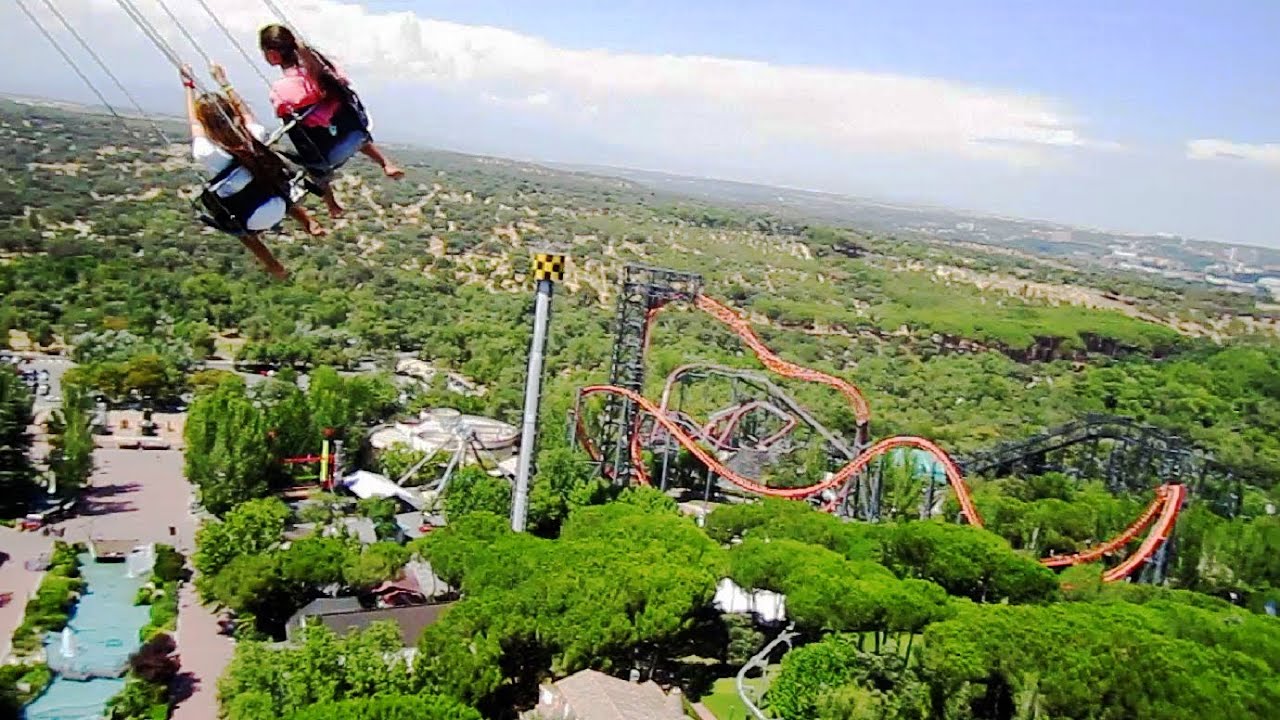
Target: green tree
{"x":227,"y":453}
{"x":17,"y":484}
{"x":834,"y":679}
{"x":252,"y":528}
{"x":382,"y":511}
{"x":153,"y":375}
{"x":376,"y":564}
{"x":474,"y":490}
{"x":71,"y":447}
{"x":390,"y":707}
{"x":398,"y":459}
{"x":565,"y":481}
{"x":317,"y":560}
{"x":966,"y":561}
{"x":263,"y":682}
{"x":618,"y":580}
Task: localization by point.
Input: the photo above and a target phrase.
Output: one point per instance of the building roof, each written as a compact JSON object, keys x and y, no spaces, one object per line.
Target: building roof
{"x":329,"y":606}
{"x":362,"y":528}
{"x":426,"y":580}
{"x":411,"y":619}
{"x":593,"y":695}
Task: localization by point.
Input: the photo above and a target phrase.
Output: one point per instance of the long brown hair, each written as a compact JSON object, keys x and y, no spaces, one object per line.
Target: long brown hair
{"x":293,"y":53}
{"x":226,"y":128}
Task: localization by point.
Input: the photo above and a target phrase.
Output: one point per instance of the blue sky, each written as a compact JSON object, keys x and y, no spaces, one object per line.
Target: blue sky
{"x":1199,"y":68}
{"x":1138,"y":116}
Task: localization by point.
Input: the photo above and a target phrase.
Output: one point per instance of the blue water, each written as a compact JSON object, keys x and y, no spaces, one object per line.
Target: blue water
{"x":924,"y":464}
{"x":104,"y":628}
{"x":74,"y":700}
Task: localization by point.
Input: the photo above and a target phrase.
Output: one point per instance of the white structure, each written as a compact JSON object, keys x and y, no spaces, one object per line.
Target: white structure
{"x":439,"y":429}
{"x":454,"y":382}
{"x":365,"y":484}
{"x":1271,"y":285}
{"x":68,"y":643}
{"x":769,"y":606}
{"x":141,"y":560}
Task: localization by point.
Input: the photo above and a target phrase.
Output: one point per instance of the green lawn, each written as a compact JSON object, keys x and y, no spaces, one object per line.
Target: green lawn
{"x":723,"y":700}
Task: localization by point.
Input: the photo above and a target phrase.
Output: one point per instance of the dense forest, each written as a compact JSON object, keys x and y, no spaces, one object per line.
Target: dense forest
{"x":100,"y":257}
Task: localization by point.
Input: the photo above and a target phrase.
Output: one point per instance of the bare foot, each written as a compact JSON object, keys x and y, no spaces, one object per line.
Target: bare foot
{"x":335,"y":210}
{"x":315,"y":229}
{"x":393,"y":171}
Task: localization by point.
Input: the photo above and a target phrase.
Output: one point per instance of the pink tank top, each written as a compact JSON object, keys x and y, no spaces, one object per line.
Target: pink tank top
{"x":297,"y":90}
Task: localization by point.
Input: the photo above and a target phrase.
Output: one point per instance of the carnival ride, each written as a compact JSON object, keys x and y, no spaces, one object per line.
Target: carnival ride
{"x":630,"y":423}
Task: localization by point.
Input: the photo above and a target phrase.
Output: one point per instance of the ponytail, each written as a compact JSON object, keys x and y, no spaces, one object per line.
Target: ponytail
{"x":296,"y":54}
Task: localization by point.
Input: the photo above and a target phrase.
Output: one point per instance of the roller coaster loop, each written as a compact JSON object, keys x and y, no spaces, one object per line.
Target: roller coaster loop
{"x":1161,"y":514}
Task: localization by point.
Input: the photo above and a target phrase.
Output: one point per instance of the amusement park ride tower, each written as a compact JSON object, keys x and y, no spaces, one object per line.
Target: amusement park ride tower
{"x":548,"y":269}
{"x":643,"y":291}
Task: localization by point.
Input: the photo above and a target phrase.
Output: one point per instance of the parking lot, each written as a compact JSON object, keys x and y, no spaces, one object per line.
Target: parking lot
{"x":43,"y":375}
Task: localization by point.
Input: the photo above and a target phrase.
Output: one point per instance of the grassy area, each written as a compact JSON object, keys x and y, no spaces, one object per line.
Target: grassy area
{"x":723,"y":700}
{"x":51,"y":607}
{"x":161,"y":593}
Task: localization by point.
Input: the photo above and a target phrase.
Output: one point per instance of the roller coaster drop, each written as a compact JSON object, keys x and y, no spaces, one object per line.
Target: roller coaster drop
{"x":619,"y":439}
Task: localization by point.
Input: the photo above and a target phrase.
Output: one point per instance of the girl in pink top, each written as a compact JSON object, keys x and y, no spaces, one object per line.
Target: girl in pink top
{"x":335,"y":125}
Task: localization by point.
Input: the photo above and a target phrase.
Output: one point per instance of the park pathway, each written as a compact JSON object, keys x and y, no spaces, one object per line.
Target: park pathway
{"x":205,"y":653}
{"x":16,"y":579}
{"x":142,"y":495}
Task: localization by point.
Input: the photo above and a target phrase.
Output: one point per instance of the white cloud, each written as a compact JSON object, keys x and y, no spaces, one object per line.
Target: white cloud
{"x":699,"y":104}
{"x":1214,"y":149}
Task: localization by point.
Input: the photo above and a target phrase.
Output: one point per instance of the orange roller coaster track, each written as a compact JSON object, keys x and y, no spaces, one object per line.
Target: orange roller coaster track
{"x":1161,"y":514}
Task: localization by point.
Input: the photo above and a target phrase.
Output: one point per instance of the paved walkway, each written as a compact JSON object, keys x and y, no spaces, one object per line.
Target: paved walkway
{"x":142,"y":495}
{"x":205,"y":653}
{"x":135,"y":495}
{"x":14,"y":578}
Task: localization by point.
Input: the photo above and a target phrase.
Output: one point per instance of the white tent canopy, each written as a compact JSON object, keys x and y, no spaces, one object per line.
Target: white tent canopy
{"x":365,"y":484}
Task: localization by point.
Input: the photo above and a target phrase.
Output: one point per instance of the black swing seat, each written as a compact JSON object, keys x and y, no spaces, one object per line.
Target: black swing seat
{"x":324,"y":149}
{"x":230,"y":214}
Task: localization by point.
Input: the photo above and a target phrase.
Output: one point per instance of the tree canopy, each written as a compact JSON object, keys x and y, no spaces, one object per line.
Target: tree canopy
{"x":17,"y":483}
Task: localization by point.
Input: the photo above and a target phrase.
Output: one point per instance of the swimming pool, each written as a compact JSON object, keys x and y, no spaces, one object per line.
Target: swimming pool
{"x":103,"y":633}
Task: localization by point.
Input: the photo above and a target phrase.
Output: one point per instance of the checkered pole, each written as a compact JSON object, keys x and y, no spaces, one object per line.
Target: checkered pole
{"x":548,"y":269}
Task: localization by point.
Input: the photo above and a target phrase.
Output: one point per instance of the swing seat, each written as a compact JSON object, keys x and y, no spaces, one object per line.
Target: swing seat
{"x":230,"y":214}
{"x":322,"y":150}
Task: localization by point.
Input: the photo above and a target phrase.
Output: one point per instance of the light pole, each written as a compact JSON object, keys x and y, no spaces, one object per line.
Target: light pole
{"x":548,"y":269}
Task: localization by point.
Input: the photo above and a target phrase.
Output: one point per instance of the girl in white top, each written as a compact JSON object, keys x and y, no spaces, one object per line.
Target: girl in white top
{"x":224,"y":134}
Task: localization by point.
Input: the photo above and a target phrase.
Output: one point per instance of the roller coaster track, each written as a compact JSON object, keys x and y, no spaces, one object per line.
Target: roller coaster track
{"x":1173,"y":497}
{"x":785,"y":368}
{"x":721,"y":425}
{"x":1161,"y":514}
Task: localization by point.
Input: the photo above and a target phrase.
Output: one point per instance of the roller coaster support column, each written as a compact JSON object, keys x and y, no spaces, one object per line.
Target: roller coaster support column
{"x":547,"y":270}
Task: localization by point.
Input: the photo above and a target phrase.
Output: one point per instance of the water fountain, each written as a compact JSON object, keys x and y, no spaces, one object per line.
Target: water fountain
{"x":91,"y":655}
{"x":140,"y":562}
{"x":68,"y":643}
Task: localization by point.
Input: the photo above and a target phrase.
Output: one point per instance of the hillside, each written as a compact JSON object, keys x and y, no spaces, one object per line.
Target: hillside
{"x":912,"y":615}
{"x":962,"y":343}
{"x":1172,"y":256}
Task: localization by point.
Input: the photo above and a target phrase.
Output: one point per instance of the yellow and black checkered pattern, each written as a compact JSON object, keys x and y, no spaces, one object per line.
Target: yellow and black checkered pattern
{"x":548,"y":267}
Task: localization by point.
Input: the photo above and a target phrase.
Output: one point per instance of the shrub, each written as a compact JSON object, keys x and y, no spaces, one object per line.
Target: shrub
{"x":155,"y":662}
{"x":170,"y":564}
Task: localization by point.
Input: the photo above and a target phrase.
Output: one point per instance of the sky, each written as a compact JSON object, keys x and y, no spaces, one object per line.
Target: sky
{"x":1135,"y":116}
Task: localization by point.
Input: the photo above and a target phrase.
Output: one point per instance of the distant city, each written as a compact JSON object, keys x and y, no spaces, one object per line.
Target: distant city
{"x":1238,"y":268}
